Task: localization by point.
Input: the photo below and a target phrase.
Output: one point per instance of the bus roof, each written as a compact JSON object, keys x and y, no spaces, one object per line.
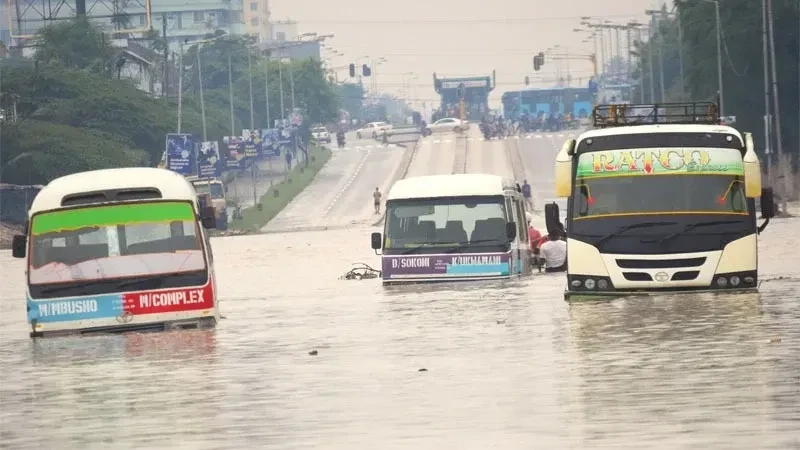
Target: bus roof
{"x":171,"y":184}
{"x":458,"y":185}
{"x":661,"y":128}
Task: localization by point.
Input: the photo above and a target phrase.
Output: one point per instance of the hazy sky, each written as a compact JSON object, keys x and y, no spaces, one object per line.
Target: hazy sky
{"x":456,"y":38}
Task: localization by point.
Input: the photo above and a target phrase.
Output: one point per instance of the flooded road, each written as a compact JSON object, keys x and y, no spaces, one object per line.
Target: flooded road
{"x":509,"y":364}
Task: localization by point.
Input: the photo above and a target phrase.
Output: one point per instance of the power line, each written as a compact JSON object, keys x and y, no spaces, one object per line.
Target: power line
{"x":499,"y":21}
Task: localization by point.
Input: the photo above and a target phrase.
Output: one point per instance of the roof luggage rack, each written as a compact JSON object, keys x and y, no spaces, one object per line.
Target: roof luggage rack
{"x":621,"y":115}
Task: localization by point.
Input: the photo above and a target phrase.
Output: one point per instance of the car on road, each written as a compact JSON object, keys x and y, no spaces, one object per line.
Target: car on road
{"x":321,"y":134}
{"x":448,"y":124}
{"x":374,"y":129}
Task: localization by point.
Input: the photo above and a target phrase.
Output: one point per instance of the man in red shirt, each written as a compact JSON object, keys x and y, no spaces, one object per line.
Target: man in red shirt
{"x":534,"y":236}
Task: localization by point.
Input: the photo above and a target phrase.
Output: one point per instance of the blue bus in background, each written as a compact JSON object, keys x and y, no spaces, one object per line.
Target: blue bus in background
{"x":539,"y":102}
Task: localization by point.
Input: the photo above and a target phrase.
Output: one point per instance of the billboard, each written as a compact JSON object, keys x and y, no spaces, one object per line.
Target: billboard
{"x":180,"y":154}
{"x":209,"y":164}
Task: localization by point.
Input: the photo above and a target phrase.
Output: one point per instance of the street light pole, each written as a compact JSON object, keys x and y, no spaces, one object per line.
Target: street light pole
{"x":202,"y":101}
{"x":719,"y":57}
{"x":230,"y":94}
{"x":266,"y":92}
{"x":180,"y":87}
{"x":767,"y":117}
{"x":280,"y":84}
{"x":250,"y":78}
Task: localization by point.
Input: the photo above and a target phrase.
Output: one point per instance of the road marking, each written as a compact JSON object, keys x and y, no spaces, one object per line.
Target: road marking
{"x":349,"y":181}
{"x":448,"y":141}
{"x":561,"y":135}
{"x":538,"y":136}
{"x":437,"y":142}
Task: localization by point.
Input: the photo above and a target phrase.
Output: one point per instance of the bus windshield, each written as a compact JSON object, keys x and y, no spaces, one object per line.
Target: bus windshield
{"x":443,"y":223}
{"x":659,"y":182}
{"x":114,"y":241}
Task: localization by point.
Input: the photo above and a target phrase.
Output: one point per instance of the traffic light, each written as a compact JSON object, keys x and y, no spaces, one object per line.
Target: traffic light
{"x":460,"y":91}
{"x":537,"y":62}
{"x":527,"y":80}
{"x":541,"y":58}
{"x":365,"y":70}
{"x":352,"y":70}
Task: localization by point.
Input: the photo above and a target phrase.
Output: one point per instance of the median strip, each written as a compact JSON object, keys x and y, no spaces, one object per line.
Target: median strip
{"x":281,"y":194}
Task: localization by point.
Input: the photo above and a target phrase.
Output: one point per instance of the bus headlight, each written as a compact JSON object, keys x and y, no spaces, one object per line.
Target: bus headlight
{"x":734,"y":280}
{"x":589,"y":283}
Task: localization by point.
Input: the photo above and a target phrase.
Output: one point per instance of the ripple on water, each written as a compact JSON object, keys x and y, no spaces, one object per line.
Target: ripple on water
{"x":509,"y":364}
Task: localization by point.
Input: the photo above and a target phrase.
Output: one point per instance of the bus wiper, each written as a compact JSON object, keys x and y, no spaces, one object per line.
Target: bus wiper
{"x":417,"y":247}
{"x":691,"y":227}
{"x":630,"y":227}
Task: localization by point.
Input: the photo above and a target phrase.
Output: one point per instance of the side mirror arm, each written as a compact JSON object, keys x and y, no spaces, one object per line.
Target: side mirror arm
{"x":763,"y":225}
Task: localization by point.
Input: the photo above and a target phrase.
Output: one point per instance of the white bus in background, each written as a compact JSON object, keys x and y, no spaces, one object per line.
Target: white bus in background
{"x":118,"y":250}
{"x":453,"y":227}
{"x":663,"y":201}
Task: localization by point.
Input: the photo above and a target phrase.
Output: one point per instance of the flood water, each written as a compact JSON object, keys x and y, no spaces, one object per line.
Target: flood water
{"x":509,"y":365}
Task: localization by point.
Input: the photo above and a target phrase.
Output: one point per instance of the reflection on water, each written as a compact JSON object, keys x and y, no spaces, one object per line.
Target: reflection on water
{"x":509,"y":363}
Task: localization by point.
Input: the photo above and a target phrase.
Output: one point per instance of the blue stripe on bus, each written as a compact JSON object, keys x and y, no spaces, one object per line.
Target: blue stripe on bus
{"x":75,"y":308}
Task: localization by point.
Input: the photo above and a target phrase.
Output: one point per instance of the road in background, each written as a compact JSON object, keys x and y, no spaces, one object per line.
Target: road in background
{"x":341,"y":193}
{"x":487,"y":157}
{"x":435,"y":155}
{"x":538,"y":153}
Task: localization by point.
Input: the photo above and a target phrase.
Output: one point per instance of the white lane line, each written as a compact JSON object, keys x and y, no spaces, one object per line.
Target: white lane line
{"x":561,"y":135}
{"x":437,"y":142}
{"x":349,"y":181}
{"x":538,"y":136}
{"x":448,"y":141}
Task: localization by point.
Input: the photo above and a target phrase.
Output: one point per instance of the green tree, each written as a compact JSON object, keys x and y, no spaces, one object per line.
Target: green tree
{"x":76,"y":44}
{"x":743,"y":75}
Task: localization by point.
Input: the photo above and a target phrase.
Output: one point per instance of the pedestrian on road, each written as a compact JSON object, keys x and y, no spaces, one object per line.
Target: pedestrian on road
{"x":376,"y":196}
{"x":526,"y":194}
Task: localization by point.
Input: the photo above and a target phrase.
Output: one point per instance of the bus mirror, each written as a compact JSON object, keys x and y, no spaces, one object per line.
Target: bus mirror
{"x":376,"y":241}
{"x":552,"y":218}
{"x":18,"y":245}
{"x":207,"y":217}
{"x":752,"y":169}
{"x":511,"y":231}
{"x":564,"y":169}
{"x":767,"y":204}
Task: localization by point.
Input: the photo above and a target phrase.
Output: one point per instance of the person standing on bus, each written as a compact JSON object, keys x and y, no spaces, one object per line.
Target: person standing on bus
{"x":526,"y":194}
{"x":376,"y":196}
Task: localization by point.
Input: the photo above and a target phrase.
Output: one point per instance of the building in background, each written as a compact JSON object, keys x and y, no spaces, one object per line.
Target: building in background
{"x":288,"y":43}
{"x":184,"y":20}
{"x":284,"y":30}
{"x":257,"y":19}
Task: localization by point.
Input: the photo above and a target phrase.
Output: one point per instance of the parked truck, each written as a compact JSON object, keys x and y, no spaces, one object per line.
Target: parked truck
{"x":215,"y":188}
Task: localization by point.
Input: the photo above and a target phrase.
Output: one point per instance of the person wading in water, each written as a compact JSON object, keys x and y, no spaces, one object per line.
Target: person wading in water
{"x":376,"y":196}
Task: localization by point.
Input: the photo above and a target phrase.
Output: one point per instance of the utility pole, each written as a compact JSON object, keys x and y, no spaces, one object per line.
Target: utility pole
{"x":180,"y":87}
{"x":650,"y":63}
{"x":661,"y":62}
{"x":165,"y":88}
{"x":266,"y":91}
{"x":767,"y":116}
{"x":230,"y":94}
{"x":776,"y":107}
{"x":291,"y":84}
{"x":280,"y":84}
{"x":680,"y":53}
{"x":202,"y":101}
{"x":630,"y":48}
{"x":641,"y":75}
{"x":250,"y":78}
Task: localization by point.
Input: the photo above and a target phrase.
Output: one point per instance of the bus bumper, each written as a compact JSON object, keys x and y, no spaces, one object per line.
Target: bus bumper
{"x":200,"y":323}
{"x":582,"y":296}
